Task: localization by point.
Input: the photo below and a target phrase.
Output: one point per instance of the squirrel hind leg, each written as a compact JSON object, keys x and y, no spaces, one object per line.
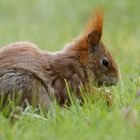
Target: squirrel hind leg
{"x":22,"y":89}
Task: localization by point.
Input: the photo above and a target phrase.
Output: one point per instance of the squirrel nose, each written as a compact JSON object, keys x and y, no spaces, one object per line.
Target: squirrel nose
{"x":113,"y":81}
{"x":108,"y":82}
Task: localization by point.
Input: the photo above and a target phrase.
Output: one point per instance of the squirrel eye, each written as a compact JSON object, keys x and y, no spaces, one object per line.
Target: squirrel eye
{"x":105,"y":62}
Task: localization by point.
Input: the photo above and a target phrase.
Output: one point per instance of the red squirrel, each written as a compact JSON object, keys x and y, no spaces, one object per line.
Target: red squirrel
{"x":28,"y":71}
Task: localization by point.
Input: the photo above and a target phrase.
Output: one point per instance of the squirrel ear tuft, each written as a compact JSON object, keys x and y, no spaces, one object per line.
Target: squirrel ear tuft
{"x":93,"y":31}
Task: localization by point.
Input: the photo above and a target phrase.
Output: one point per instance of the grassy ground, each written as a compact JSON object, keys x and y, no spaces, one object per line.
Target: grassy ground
{"x":53,"y":23}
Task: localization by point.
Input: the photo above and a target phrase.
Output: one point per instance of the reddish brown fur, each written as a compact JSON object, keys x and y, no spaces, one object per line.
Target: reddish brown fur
{"x":44,"y":72}
{"x":95,"y":23}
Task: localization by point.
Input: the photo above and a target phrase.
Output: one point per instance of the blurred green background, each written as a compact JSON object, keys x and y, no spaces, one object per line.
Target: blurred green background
{"x":53,"y":23}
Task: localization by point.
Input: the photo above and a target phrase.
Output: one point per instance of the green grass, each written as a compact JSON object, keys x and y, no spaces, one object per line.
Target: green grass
{"x":51,"y":24}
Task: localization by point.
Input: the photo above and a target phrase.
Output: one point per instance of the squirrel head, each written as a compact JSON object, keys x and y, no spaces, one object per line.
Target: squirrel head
{"x":96,"y":58}
{"x":100,"y":64}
